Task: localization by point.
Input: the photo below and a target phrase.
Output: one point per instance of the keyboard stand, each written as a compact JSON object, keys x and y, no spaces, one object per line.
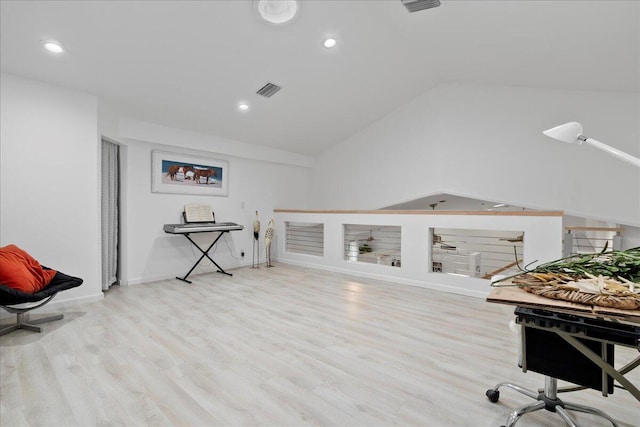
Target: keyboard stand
{"x":205,"y":227}
{"x":205,"y":253}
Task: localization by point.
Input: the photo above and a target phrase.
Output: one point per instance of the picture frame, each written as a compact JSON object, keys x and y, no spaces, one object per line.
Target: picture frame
{"x":175,"y":173}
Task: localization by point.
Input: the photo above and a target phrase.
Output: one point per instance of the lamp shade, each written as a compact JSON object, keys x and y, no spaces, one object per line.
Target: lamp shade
{"x":567,"y":132}
{"x":572,"y":133}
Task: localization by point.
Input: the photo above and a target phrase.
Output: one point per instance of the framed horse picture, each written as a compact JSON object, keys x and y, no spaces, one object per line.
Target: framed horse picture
{"x":182,"y":174}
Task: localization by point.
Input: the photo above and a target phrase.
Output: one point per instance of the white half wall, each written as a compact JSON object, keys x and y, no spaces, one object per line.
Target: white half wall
{"x":253,"y":185}
{"x":49,"y":191}
{"x":543,"y":243}
{"x":487,"y":143}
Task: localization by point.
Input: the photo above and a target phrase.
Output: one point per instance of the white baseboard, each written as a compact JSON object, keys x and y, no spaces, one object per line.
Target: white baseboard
{"x":410,"y":282}
{"x":141,"y":280}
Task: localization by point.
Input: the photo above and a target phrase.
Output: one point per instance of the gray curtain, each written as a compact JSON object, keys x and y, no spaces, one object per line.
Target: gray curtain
{"x":110,"y":211}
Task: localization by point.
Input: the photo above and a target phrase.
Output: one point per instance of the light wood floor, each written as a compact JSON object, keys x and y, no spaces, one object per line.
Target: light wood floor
{"x":284,"y":346}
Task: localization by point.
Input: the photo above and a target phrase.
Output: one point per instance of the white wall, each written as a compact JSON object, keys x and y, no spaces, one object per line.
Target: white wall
{"x":49,"y":181}
{"x":494,"y":142}
{"x":253,"y":185}
{"x":487,"y":143}
{"x":54,"y":214}
{"x":108,"y":121}
{"x":631,"y":237}
{"x":392,"y":161}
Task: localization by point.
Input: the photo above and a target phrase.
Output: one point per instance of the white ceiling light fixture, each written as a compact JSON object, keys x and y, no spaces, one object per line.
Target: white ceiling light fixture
{"x":329,"y":43}
{"x":277,"y":11}
{"x":243,"y":107}
{"x":52,"y":46}
{"x":572,"y":133}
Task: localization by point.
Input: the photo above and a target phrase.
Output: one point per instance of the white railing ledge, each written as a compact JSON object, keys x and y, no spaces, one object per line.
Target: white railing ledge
{"x":410,"y":212}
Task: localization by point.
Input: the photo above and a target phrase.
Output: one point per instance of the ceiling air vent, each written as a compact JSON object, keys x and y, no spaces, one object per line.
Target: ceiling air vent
{"x":416,"y":5}
{"x":268,"y":90}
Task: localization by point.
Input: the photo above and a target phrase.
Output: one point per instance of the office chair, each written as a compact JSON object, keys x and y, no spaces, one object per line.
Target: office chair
{"x":573,"y":348}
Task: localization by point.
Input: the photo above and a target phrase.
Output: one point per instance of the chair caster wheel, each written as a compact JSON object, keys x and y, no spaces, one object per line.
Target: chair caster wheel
{"x":493,"y":395}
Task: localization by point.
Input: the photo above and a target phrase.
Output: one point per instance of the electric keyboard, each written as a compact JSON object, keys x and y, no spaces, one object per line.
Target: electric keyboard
{"x":201,"y":227}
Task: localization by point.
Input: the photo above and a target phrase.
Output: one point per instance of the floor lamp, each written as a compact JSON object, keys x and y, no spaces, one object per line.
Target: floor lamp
{"x":572,"y":133}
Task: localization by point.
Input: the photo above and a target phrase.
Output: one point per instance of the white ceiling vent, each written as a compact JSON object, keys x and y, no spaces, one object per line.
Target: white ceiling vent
{"x":416,"y":5}
{"x":268,"y":90}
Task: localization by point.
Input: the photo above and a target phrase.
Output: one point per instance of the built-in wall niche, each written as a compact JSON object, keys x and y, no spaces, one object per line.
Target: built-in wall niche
{"x":373,"y":244}
{"x":305,"y":238}
{"x":476,"y":253}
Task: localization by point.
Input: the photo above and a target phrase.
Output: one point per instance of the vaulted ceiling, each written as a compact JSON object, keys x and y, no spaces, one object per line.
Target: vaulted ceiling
{"x":187,"y":64}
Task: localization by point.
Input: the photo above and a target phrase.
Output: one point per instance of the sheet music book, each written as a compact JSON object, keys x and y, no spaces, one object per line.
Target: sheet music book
{"x":198,"y":213}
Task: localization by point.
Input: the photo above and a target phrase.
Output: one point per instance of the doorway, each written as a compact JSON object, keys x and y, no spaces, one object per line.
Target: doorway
{"x":110,"y":213}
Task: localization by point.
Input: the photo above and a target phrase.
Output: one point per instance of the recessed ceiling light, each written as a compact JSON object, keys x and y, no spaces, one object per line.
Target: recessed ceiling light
{"x":52,"y":46}
{"x":329,"y":43}
{"x":277,"y":11}
{"x":243,"y":107}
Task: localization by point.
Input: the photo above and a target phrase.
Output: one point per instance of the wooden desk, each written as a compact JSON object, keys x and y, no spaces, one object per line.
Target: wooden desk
{"x":513,"y":295}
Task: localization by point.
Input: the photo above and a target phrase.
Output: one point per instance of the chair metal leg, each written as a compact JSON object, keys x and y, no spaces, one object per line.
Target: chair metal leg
{"x":589,"y":410}
{"x":29,"y":327}
{"x":8,"y":328}
{"x":515,"y":415}
{"x":517,"y":388}
{"x":566,"y":417}
{"x":548,"y":400}
{"x":23,"y":322}
{"x":45,"y":319}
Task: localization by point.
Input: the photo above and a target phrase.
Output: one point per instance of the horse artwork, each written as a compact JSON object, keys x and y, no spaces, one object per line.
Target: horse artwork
{"x":174,"y":173}
{"x":174,"y":170}
{"x":207,"y":174}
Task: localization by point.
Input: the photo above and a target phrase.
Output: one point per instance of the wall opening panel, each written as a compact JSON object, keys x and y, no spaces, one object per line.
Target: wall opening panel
{"x":305,"y":238}
{"x":476,"y":253}
{"x":374,"y":244}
